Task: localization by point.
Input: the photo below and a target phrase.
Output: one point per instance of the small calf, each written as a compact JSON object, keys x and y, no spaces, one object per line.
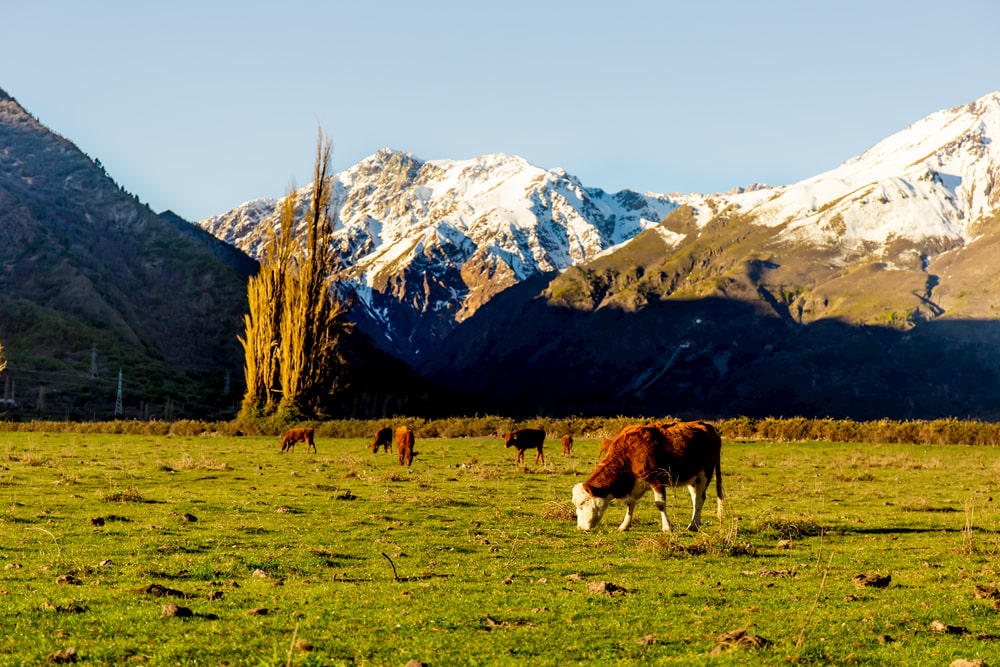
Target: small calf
{"x":298,"y":435}
{"x":404,"y":445}
{"x":383,"y":439}
{"x":567,"y":445}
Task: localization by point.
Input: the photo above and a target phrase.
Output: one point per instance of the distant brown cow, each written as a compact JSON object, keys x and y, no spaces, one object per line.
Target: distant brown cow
{"x":526,"y":438}
{"x":383,"y":439}
{"x":298,"y":435}
{"x":567,"y":445}
{"x":404,"y":445}
{"x":653,"y":456}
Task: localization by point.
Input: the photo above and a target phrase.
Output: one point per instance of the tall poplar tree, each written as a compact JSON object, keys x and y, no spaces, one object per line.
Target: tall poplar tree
{"x":295,"y":317}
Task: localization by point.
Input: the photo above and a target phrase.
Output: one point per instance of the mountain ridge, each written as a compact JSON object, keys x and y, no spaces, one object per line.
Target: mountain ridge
{"x":93,"y":281}
{"x":425,"y":243}
{"x":442,"y":237}
{"x":794,"y":299}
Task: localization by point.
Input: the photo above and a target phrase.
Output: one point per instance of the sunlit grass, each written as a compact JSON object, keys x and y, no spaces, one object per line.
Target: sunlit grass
{"x":467,"y":558}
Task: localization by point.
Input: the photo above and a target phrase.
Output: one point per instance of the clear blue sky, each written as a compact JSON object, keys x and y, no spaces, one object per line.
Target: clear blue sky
{"x":200,"y":106}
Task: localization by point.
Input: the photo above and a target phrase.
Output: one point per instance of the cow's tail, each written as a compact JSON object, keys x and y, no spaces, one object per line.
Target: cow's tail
{"x":719,"y":495}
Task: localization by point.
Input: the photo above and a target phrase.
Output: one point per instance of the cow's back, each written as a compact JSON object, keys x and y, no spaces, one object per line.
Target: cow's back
{"x":667,"y":452}
{"x":530,"y":437}
{"x":526,"y":438}
{"x":683,"y":449}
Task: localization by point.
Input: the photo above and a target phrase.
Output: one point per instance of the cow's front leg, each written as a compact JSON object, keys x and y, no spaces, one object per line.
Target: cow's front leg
{"x":660,"y":500}
{"x":629,"y":509}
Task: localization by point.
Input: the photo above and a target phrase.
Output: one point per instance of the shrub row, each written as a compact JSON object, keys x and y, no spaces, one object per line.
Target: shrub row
{"x":933,"y":432}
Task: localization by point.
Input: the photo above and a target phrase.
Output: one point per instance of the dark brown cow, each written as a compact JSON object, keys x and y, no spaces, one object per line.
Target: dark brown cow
{"x":653,"y":456}
{"x":526,"y":438}
{"x":404,"y":445}
{"x":294,"y":435}
{"x":567,"y":445}
{"x":383,"y":439}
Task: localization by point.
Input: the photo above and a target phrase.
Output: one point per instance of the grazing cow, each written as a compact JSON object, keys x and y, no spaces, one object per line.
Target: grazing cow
{"x":298,"y":435}
{"x":526,"y":438}
{"x":404,"y":445}
{"x":567,"y":445}
{"x":652,"y":456}
{"x":383,"y":439}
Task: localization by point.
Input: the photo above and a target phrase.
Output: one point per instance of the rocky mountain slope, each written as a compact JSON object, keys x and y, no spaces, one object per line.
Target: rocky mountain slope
{"x":425,"y":244}
{"x":92,"y":281}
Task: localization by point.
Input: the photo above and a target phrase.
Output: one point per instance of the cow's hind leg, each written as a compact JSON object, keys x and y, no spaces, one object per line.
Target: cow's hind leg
{"x":660,"y":501}
{"x":697,"y":488}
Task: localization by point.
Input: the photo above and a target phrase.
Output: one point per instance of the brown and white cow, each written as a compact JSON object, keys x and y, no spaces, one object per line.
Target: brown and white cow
{"x":404,"y":445}
{"x":294,"y":435}
{"x":526,"y":438}
{"x":567,"y":445}
{"x":383,"y":439}
{"x":653,"y":456}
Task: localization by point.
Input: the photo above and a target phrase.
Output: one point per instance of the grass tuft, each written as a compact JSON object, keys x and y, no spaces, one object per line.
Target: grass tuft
{"x":785,"y":528}
{"x":130,"y":495}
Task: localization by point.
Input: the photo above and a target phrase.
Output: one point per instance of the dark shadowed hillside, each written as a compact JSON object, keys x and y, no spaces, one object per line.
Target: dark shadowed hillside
{"x":713,"y":356}
{"x":92,"y":281}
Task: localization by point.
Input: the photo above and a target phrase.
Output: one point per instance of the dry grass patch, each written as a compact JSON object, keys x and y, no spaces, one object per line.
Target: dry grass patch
{"x":559,"y":511}
{"x":846,"y":477}
{"x":675,"y":544}
{"x":188,"y":462}
{"x":27,"y":458}
{"x":785,"y":528}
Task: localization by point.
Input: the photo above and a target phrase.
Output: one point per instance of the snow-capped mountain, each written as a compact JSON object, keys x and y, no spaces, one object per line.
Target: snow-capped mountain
{"x":869,"y":291}
{"x":425,"y":244}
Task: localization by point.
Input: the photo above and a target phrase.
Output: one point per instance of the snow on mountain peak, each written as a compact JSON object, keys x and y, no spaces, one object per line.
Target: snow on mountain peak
{"x":934,"y":179}
{"x":444,"y":236}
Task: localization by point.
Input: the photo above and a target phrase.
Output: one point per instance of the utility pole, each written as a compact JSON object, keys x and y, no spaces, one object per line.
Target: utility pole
{"x":118,"y":398}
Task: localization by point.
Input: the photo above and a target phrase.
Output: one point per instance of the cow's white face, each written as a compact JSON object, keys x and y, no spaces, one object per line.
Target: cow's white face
{"x":589,"y":509}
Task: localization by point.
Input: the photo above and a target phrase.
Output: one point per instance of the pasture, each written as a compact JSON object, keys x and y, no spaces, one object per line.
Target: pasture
{"x":345,"y":558}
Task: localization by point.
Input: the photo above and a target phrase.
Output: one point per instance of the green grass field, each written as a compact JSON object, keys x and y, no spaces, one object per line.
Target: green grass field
{"x":344,"y":558}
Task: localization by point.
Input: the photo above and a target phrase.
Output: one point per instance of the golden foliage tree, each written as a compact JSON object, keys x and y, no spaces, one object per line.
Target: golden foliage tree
{"x":262,"y":322}
{"x":295,"y":318}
